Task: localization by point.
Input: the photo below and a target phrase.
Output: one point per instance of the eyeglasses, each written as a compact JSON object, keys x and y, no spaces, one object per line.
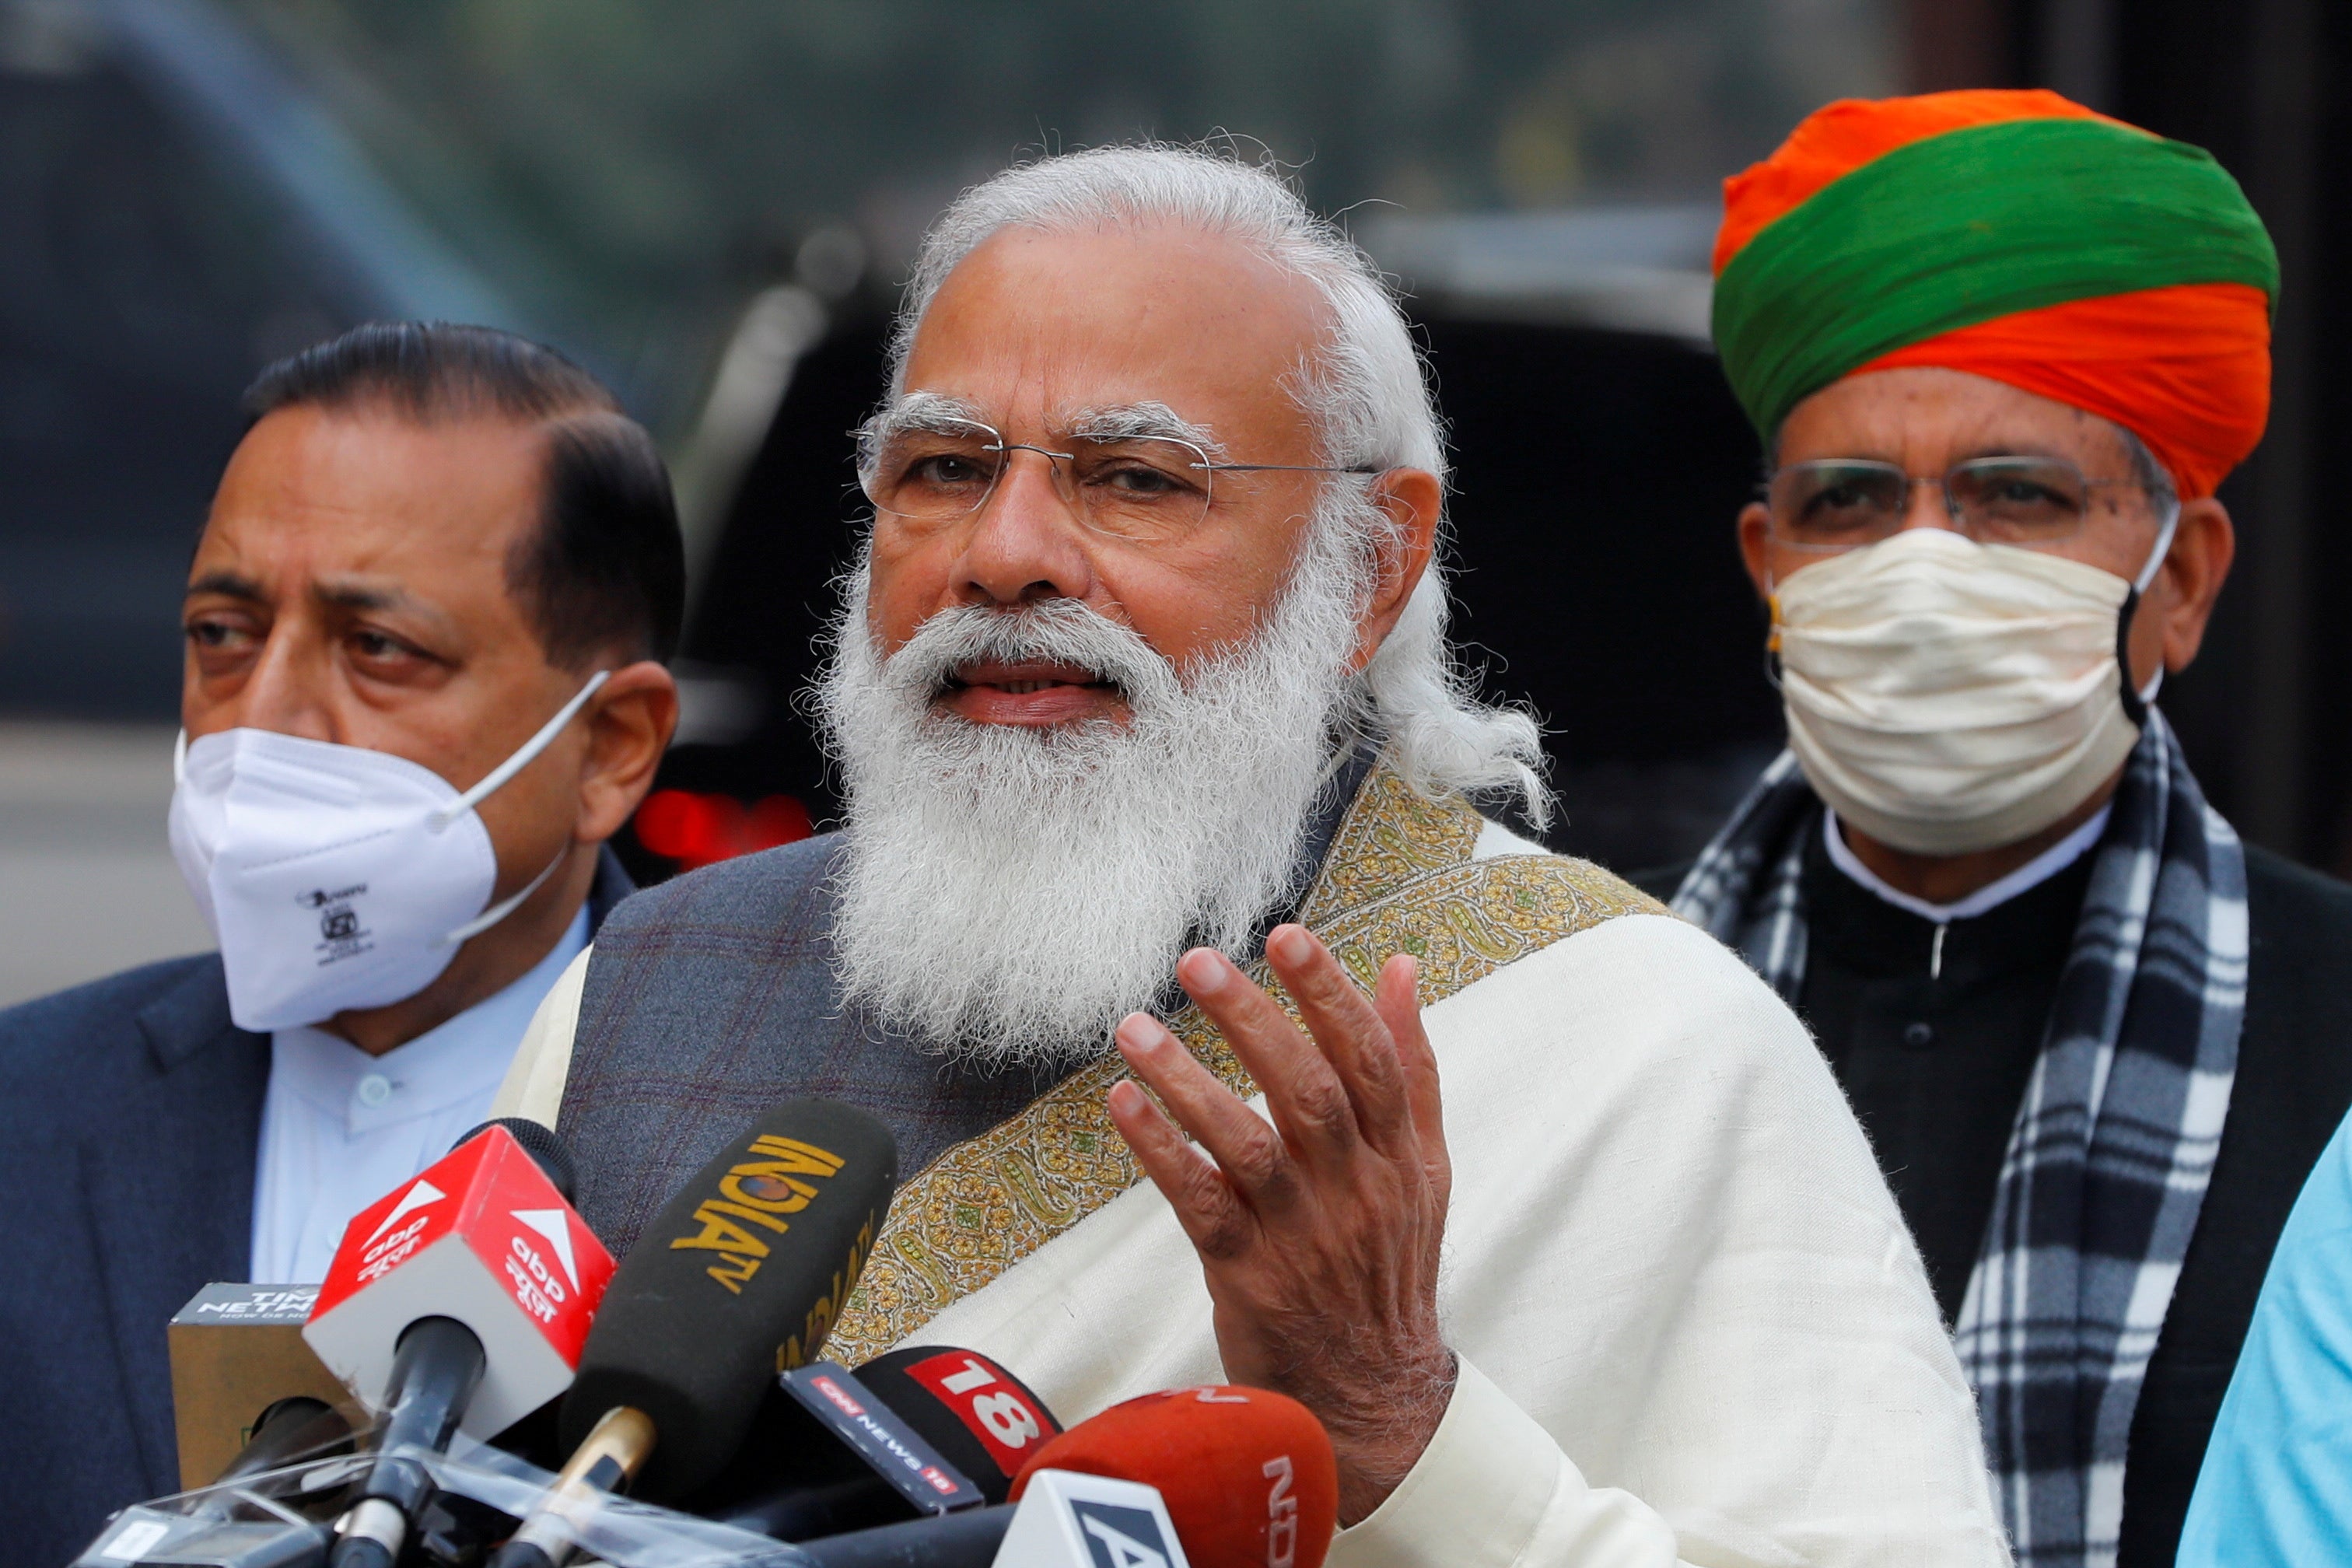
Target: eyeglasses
{"x":1141,"y":488}
{"x":1843,"y":503}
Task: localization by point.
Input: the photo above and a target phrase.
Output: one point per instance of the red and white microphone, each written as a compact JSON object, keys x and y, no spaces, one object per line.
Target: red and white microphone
{"x":482,"y":1236}
{"x":1248,"y":1476}
{"x":458,"y":1301}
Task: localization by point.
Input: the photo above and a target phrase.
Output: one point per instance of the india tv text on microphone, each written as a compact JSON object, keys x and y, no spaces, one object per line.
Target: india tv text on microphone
{"x":737,"y":1279}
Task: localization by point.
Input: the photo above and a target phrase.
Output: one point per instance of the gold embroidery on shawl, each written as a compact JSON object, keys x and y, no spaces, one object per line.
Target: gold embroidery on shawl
{"x":1398,"y":879}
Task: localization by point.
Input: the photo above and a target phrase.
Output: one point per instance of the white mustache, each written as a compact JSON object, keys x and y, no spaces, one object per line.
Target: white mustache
{"x":1058,"y":631}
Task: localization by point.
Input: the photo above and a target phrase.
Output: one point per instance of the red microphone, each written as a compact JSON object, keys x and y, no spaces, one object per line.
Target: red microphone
{"x":457,"y":1301}
{"x":1248,"y":1474}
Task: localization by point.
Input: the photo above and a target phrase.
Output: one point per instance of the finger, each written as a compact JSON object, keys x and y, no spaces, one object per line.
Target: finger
{"x":1396,"y":998}
{"x":1303,"y":1091}
{"x":1216,"y":1220}
{"x":1249,"y":1153}
{"x":1351,"y":1033}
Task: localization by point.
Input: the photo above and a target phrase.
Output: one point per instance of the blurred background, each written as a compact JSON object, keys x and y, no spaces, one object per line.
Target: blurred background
{"x":711,"y":205}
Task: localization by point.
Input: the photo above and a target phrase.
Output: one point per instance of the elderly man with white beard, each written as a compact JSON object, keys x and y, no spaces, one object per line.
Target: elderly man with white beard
{"x":1145,"y":712}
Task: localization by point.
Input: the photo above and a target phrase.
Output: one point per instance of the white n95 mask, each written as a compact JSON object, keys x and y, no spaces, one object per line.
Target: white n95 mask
{"x":334,"y":876}
{"x":1946,"y":695}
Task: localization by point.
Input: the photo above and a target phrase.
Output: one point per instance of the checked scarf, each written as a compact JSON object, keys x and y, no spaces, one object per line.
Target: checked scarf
{"x":2114,"y":1144}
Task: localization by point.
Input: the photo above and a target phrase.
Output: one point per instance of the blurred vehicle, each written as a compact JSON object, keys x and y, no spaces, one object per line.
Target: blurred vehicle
{"x":175,"y":214}
{"x":1600,"y":463}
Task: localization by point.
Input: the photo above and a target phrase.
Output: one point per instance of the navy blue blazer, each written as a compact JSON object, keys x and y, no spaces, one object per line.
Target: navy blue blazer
{"x":130,"y":1122}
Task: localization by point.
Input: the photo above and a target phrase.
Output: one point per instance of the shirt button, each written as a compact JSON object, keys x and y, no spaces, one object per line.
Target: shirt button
{"x":1917,"y":1034}
{"x":376,"y":1088}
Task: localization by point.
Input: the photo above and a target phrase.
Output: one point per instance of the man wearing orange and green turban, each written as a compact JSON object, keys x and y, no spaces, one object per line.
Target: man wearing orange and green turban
{"x":2000,"y":350}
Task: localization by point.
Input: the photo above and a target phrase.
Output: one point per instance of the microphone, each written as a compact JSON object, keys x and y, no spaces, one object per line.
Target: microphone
{"x":1248,"y":1476}
{"x":458,"y":1301}
{"x":1215,"y":1476}
{"x":539,"y":1142}
{"x":1064,"y":1520}
{"x":738,"y":1278}
{"x":296,"y":1427}
{"x":980,"y":1420}
{"x":437,"y":1365}
{"x":983,"y":1419}
{"x":237,"y":1350}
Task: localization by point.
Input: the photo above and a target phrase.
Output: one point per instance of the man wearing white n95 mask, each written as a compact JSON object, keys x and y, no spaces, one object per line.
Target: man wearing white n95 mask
{"x":2097,"y":1042}
{"x":422,"y":688}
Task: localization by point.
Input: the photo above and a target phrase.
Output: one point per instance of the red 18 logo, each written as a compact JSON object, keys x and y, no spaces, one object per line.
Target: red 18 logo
{"x":985,"y":1400}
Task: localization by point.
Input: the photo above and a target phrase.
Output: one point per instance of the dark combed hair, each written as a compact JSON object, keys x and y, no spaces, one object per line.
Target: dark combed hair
{"x":606,"y":567}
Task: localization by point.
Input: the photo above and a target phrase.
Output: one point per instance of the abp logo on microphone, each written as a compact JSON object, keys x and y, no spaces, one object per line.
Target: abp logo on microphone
{"x":481,"y":1237}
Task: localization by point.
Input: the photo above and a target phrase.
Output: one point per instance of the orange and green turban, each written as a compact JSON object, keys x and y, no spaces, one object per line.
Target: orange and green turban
{"x":2012,"y":234}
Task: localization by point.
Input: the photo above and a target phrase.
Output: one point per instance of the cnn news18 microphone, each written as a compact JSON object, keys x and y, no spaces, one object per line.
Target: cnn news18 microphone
{"x":1248,"y":1476}
{"x":921,"y":1430}
{"x":457,"y":1301}
{"x":985,"y":1421}
{"x":737,"y":1278}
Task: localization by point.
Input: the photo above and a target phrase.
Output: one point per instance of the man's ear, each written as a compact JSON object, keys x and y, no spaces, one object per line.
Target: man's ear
{"x":1414,"y":503}
{"x":1756,"y":545}
{"x":2178,"y":604}
{"x":630,"y":721}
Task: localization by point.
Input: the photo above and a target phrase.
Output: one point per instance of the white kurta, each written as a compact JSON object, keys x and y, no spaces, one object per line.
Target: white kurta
{"x":1692,"y":1325}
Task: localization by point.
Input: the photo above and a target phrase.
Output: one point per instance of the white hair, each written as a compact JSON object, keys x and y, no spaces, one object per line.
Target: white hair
{"x":1366,"y":389}
{"x":1011,"y":893}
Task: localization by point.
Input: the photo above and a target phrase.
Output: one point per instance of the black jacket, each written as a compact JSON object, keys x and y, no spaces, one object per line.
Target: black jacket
{"x":130,"y":1122}
{"x":2294,"y":1086}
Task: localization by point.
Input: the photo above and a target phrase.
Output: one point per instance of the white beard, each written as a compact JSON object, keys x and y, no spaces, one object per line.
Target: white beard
{"x":1008,"y":894}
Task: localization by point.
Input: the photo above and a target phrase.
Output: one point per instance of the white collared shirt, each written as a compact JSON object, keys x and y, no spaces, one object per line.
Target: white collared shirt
{"x":340,"y":1127}
{"x":1993,"y":895}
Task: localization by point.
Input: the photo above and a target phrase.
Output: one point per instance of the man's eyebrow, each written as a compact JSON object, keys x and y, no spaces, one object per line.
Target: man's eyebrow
{"x":1138,"y":421}
{"x":346,"y":594}
{"x":939,"y":412}
{"x":932,"y":411}
{"x":229,"y":585}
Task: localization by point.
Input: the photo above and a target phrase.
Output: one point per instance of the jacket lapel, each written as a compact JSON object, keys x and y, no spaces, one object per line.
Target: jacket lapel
{"x":612,"y":885}
{"x":170,"y":1196}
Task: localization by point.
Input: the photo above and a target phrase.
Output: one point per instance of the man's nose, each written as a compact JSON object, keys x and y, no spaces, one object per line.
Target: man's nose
{"x":1925,"y":505}
{"x":284,"y":691}
{"x":1027,"y":540}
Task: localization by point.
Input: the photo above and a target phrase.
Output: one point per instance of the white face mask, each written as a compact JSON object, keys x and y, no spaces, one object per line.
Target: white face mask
{"x":1947,"y":697}
{"x":335,"y":877}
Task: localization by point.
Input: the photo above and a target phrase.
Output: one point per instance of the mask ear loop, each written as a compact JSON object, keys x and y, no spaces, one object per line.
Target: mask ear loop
{"x":2135,"y":699}
{"x":442,"y":817}
{"x":499,"y":911}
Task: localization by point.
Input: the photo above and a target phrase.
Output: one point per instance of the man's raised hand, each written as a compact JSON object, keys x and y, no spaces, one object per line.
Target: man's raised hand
{"x":1319,"y":1234}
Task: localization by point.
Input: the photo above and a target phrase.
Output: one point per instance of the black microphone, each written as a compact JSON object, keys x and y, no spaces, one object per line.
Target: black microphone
{"x":983,"y":1419}
{"x":737,"y":1278}
{"x":978,"y":1418}
{"x":296,"y":1427}
{"x":970,"y":1538}
{"x":435,"y":1368}
{"x":541,"y":1142}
